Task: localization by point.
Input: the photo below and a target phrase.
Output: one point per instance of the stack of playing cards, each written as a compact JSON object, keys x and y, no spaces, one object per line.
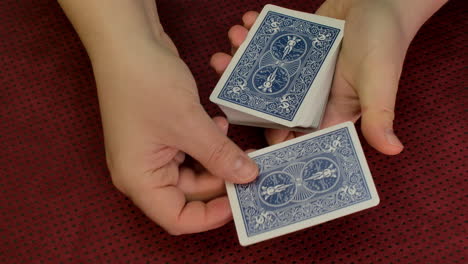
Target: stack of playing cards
{"x":303,"y":182}
{"x":281,"y":75}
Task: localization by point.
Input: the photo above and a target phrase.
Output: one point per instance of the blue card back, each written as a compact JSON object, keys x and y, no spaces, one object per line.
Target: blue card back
{"x":279,"y":65}
{"x":308,"y":179}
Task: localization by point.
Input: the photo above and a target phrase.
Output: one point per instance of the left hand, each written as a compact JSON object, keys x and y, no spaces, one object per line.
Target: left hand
{"x":367,"y":71}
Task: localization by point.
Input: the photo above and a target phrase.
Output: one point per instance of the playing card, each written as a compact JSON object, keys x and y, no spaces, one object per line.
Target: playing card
{"x":285,"y":53}
{"x":303,"y":182}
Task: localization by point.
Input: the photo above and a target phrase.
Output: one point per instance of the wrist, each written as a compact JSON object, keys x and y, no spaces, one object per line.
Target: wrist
{"x":413,"y":14}
{"x":108,"y":27}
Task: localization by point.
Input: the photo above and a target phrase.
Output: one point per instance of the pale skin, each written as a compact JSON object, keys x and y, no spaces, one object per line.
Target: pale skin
{"x":143,"y":86}
{"x":377,"y":35}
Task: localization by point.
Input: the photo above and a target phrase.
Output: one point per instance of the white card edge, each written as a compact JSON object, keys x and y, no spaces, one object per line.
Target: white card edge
{"x":331,"y":58}
{"x":245,"y":240}
{"x":364,"y":165}
{"x":299,"y":139}
{"x":236,"y":212}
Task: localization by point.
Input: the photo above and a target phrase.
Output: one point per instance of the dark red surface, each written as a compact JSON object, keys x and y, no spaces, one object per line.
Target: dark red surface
{"x":58,"y":205}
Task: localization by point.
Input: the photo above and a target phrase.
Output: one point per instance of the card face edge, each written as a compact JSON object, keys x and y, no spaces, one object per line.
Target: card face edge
{"x":339,"y":23}
{"x":365,"y":167}
{"x":245,"y":240}
{"x":299,"y":139}
{"x":236,"y":212}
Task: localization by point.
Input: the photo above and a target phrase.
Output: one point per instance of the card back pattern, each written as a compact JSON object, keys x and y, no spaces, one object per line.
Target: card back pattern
{"x":279,"y":65}
{"x":302,"y":181}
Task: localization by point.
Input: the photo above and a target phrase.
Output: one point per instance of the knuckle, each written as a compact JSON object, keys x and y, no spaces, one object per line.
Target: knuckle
{"x":217,"y":152}
{"x":117,"y":175}
{"x":187,"y":113}
{"x":387,"y":113}
{"x":174,"y":231}
{"x":174,"y":227}
{"x":118,"y":184}
{"x":232,"y":31}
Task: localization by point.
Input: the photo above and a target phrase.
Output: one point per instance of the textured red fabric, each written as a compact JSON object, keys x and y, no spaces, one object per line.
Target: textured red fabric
{"x":58,"y":205}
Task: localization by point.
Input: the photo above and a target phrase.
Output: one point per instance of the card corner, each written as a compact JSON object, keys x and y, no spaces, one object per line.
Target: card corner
{"x":213,"y":97}
{"x":244,"y":242}
{"x":375,"y":201}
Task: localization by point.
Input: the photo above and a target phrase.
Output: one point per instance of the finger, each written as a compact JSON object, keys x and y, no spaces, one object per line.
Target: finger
{"x":377,"y":88}
{"x":217,"y":153}
{"x":200,"y":187}
{"x":299,"y":134}
{"x":203,"y":186}
{"x":222,"y":124}
{"x":275,"y":136}
{"x":249,"y":19}
{"x":179,"y":157}
{"x":335,"y":9}
{"x":167,"y":207}
{"x":343,"y":104}
{"x":219,"y":62}
{"x":250,"y":151}
{"x":197,"y":216}
{"x":237,"y":35}
{"x":340,"y":110}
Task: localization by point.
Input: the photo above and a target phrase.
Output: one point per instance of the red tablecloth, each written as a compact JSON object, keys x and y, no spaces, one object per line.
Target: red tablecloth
{"x":58,"y":205}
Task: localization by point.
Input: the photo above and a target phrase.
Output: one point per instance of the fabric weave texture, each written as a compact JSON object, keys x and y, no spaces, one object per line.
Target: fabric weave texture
{"x":58,"y":204}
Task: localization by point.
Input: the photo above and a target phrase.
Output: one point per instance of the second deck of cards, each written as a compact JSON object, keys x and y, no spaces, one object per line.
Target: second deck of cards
{"x":281,"y":75}
{"x":303,"y":182}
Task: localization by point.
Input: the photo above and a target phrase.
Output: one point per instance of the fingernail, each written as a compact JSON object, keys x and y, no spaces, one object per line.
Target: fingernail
{"x":245,"y":169}
{"x":392,"y":139}
{"x":179,"y":157}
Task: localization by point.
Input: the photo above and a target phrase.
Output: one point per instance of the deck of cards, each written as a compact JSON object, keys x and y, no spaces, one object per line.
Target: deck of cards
{"x":303,"y":182}
{"x":280,"y":78}
{"x":281,"y":75}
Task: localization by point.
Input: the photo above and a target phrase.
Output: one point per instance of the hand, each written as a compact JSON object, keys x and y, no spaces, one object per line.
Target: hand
{"x":151,"y":117}
{"x":367,"y":71}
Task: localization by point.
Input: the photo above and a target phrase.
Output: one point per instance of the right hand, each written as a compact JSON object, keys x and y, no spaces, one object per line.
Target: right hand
{"x":152,"y":116}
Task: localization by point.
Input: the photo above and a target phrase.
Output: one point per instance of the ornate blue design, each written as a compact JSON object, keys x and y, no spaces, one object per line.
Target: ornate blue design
{"x":279,"y":65}
{"x":302,"y":181}
{"x":270,"y":79}
{"x":320,"y":174}
{"x":288,"y":48}
{"x":277,"y":188}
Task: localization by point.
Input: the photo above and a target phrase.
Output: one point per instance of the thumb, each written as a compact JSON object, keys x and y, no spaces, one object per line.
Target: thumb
{"x":377,"y":86}
{"x":205,"y":142}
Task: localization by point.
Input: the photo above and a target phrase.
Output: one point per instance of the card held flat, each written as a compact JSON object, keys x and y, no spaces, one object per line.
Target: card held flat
{"x":303,"y":182}
{"x":285,"y":53}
